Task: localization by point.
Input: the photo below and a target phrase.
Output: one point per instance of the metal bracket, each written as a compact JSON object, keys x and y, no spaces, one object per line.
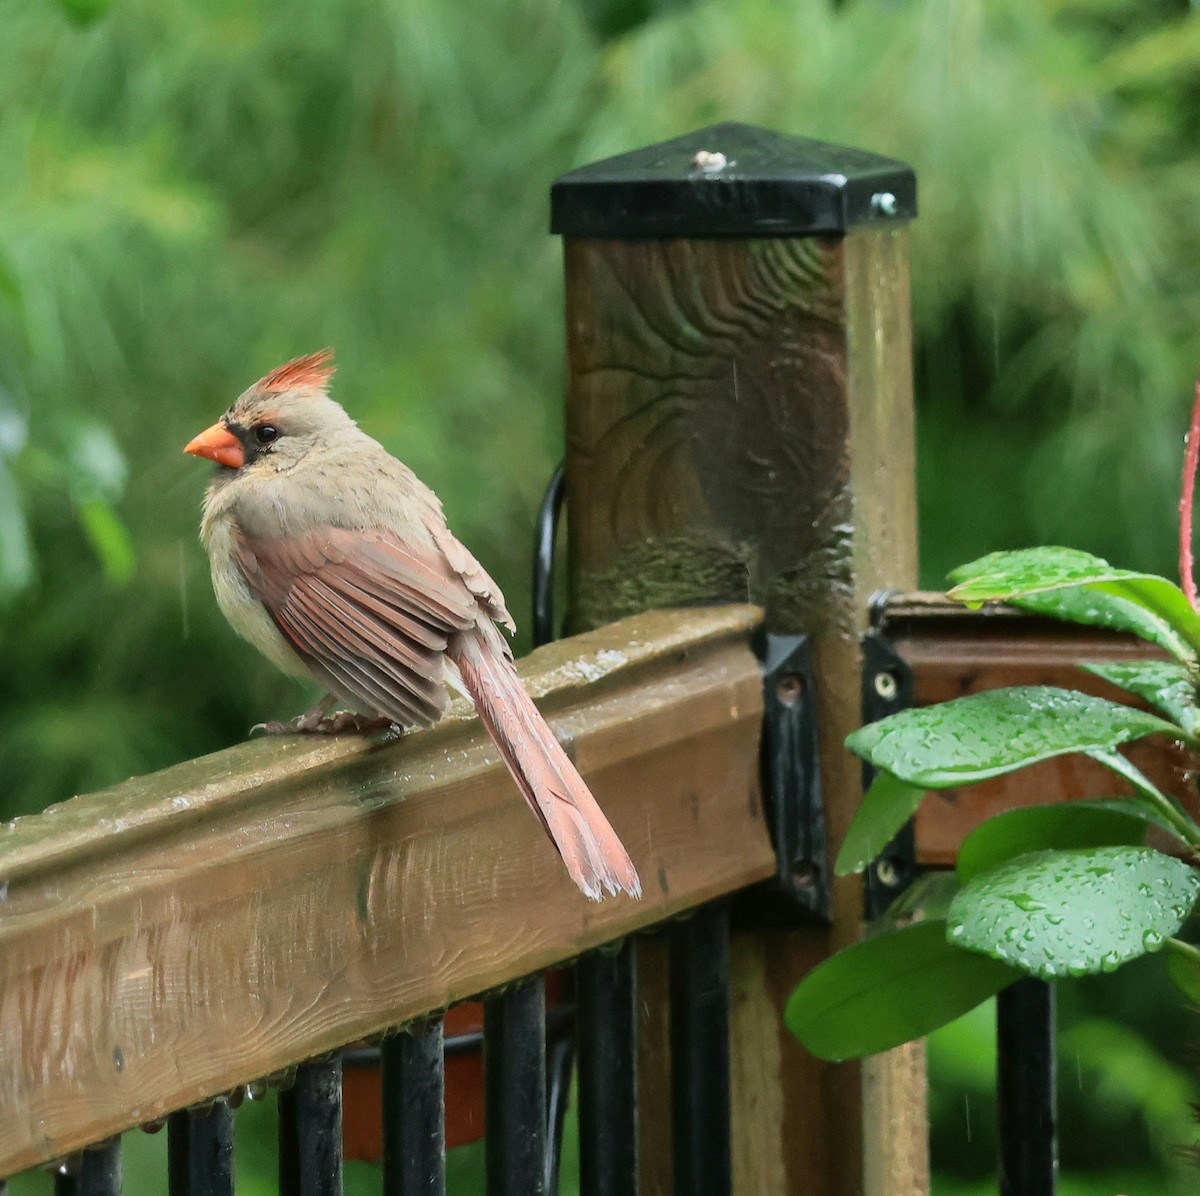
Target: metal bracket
{"x":887,"y":687}
{"x":545,"y":534}
{"x":791,"y":776}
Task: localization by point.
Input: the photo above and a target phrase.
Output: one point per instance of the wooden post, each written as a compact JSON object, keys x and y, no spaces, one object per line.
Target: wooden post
{"x":739,"y":427}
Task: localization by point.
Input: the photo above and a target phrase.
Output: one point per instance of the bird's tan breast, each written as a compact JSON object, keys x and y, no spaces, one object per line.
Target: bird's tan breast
{"x":246,"y":615}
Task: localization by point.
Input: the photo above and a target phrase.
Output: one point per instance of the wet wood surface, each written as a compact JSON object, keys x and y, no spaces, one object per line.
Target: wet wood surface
{"x":212,"y":924}
{"x":739,"y":428}
{"x":955,"y":651}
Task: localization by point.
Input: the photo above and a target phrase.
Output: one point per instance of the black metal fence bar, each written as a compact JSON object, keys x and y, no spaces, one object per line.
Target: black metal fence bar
{"x":179,"y":1153}
{"x":200,"y":1151}
{"x":700,"y":1053}
{"x":514,"y":1077}
{"x":310,"y":1131}
{"x":414,"y":1106}
{"x":606,"y":997}
{"x":100,"y":1170}
{"x":1026,"y":1092}
{"x":560,"y":1064}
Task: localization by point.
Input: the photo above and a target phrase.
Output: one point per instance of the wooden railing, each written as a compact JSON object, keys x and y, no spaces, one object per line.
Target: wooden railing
{"x":185,"y":933}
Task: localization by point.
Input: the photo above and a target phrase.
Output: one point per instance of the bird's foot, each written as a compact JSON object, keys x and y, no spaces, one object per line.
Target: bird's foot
{"x":347,"y":720}
{"x":317,"y":722}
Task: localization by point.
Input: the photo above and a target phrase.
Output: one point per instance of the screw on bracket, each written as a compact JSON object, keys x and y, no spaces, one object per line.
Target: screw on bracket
{"x":883,"y":203}
{"x":887,"y":688}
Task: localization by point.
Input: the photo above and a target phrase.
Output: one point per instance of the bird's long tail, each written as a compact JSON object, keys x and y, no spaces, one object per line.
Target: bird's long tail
{"x":557,"y":794}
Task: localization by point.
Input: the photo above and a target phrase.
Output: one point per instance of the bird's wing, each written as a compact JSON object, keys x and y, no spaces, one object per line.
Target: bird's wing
{"x":370,"y":614}
{"x":474,"y":575}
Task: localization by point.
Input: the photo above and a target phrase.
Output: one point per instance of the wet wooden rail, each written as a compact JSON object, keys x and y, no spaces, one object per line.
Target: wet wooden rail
{"x":191,"y":931}
{"x":954,"y":651}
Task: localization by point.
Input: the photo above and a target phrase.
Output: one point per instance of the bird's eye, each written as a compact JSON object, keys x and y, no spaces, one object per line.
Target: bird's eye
{"x":266,"y":433}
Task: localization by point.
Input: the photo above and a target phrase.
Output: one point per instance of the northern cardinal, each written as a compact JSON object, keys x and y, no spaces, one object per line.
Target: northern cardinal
{"x":334,"y":560}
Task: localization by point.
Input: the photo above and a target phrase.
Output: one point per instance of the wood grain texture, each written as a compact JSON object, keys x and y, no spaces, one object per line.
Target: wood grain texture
{"x":954,"y":651}
{"x":890,"y":1093}
{"x":217,"y":922}
{"x":739,"y":428}
{"x":696,"y":421}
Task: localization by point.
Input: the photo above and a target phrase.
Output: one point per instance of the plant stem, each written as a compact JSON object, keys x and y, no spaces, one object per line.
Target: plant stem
{"x":1187,"y":495}
{"x":1166,"y":809}
{"x":1185,"y":949}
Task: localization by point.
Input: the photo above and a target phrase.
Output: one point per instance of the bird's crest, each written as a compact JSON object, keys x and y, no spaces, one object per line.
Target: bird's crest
{"x":312,"y":371}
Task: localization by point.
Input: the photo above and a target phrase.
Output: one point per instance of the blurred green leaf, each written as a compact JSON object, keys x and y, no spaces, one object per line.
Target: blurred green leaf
{"x":1171,"y":48}
{"x":1074,"y":913}
{"x":889,"y":989}
{"x":14,"y":427}
{"x":16,"y":554}
{"x":984,"y":735}
{"x":1060,"y":826}
{"x":10,"y":286}
{"x":110,"y":540}
{"x":1183,"y":967}
{"x":886,"y":806}
{"x":84,"y":12}
{"x":95,"y":466}
{"x":1121,"y":1072}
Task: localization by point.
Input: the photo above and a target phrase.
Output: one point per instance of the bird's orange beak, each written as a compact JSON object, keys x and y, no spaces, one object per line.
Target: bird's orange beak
{"x":218,"y":444}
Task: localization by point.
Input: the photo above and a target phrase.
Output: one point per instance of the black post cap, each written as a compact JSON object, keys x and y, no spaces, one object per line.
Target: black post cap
{"x":732,"y":180}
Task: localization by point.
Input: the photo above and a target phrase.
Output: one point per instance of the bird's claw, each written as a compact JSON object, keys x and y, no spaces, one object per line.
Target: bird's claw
{"x":274,"y":728}
{"x":332,"y":724}
{"x":347,"y":720}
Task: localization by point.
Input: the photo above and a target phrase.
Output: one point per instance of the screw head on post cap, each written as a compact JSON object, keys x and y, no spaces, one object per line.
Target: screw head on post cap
{"x":733,"y":180}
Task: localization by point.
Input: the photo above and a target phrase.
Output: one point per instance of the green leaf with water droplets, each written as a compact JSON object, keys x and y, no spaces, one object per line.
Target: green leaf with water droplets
{"x":1103,"y":606}
{"x":1074,"y":913}
{"x":1064,"y":583}
{"x":987,"y":734}
{"x":1003,"y":575}
{"x":1057,"y":827}
{"x":1166,"y":686}
{"x":886,"y":806}
{"x":890,"y":989}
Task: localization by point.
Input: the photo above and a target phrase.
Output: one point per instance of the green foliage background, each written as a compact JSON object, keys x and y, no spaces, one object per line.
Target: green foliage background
{"x":194,"y":190}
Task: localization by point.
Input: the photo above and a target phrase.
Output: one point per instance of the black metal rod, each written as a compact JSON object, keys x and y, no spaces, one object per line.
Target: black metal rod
{"x":699,"y":986}
{"x":414,"y":1108}
{"x":1026,"y":1091}
{"x":179,"y":1127}
{"x":64,"y":1181}
{"x":100,"y":1170}
{"x":310,"y":1131}
{"x":606,"y":997}
{"x":200,"y":1151}
{"x":560,"y":1062}
{"x":514,"y":1077}
{"x":544,"y":535}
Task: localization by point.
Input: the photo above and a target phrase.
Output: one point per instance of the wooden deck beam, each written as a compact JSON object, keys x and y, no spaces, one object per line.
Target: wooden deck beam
{"x":212,"y":924}
{"x":955,"y":651}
